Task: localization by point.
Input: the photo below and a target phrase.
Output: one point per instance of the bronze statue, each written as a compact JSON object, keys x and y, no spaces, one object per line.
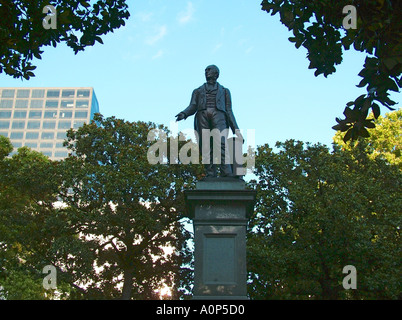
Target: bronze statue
{"x":211,"y":103}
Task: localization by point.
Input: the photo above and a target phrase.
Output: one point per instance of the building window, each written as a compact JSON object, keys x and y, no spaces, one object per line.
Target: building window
{"x":66,"y":114}
{"x":18,"y":125}
{"x":36,"y":104}
{"x":82,"y":103}
{"x":17,"y":135}
{"x":4,"y":133}
{"x":53,"y":93}
{"x":22,"y":93}
{"x":20,"y":114}
{"x":32,"y":145}
{"x":78,"y":124}
{"x":61,"y":135}
{"x":4,"y":124}
{"x":38,"y":93}
{"x":61,"y":154}
{"x":52,"y":104}
{"x":82,"y":93}
{"x":47,"y":153}
{"x":17,"y":144}
{"x":81,"y":114}
{"x":47,"y":135}
{"x":5,"y":114}
{"x":46,"y":145}
{"x":21,"y":104}
{"x":64,"y":125}
{"x":33,"y":125}
{"x":32,"y":135}
{"x":68,"y":93}
{"x":50,"y":114}
{"x":59,"y":145}
{"x":35,"y":114}
{"x":67,"y":103}
{"x":49,"y":124}
{"x":8,"y":93}
{"x":6,"y":104}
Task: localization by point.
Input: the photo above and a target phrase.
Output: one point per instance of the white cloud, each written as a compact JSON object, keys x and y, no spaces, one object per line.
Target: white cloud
{"x":161,"y":32}
{"x":158,"y":55}
{"x":144,"y":16}
{"x":129,"y":56}
{"x":217,"y":47}
{"x":187,"y":15}
{"x":249,"y":50}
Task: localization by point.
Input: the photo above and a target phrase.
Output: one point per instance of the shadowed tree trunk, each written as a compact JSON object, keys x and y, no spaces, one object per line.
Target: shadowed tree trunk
{"x":128,"y":285}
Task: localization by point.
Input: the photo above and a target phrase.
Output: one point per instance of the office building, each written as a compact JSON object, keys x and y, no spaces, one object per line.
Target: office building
{"x":40,"y":117}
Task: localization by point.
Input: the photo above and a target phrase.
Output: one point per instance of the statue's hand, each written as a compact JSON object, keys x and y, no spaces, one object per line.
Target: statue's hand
{"x":180,"y":116}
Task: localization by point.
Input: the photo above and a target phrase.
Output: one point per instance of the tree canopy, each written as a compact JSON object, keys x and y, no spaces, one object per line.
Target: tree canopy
{"x":318,"y":211}
{"x":385,"y":139}
{"x":111,"y":223}
{"x":318,"y":27}
{"x":29,"y":184}
{"x":79,"y":24}
{"x":126,"y":209}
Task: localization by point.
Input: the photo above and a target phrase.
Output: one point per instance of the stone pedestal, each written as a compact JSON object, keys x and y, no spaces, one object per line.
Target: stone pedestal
{"x":220,"y":208}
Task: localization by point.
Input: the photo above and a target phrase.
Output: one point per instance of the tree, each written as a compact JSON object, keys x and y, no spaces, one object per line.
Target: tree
{"x":385,"y":139}
{"x":318,"y":27}
{"x":109,"y":221}
{"x":22,"y":33}
{"x":126,"y":211}
{"x":28,"y":188}
{"x":317,"y":212}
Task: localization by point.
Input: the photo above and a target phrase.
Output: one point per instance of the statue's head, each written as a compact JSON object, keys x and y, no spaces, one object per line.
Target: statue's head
{"x":212,"y":72}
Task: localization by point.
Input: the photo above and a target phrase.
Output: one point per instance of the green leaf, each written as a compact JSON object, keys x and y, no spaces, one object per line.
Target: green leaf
{"x":390,"y":63}
{"x":364,"y":133}
{"x":85,"y":4}
{"x":351,"y":115}
{"x":99,"y":39}
{"x":37,"y":55}
{"x":341,"y":127}
{"x":362,"y":83}
{"x":392,"y":85}
{"x":376,"y":110}
{"x":366,"y":105}
{"x":348,"y":135}
{"x":359,"y":100}
{"x":369,"y":124}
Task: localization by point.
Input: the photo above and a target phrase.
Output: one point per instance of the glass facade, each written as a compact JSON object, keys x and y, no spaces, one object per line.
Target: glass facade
{"x":39,"y":117}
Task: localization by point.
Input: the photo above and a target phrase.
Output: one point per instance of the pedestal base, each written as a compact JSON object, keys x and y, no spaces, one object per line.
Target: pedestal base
{"x":220,"y":209}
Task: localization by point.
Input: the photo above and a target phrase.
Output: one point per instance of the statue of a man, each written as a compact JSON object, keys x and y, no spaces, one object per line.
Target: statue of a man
{"x":211,"y":103}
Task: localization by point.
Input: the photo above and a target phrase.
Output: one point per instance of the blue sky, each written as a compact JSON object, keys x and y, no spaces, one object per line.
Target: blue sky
{"x":148,"y":69}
